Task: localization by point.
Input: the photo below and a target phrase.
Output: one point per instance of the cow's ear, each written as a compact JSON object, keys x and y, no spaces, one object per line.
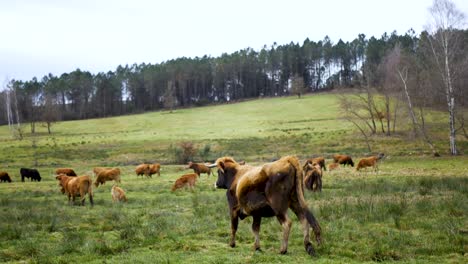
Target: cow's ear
{"x":221,"y":166}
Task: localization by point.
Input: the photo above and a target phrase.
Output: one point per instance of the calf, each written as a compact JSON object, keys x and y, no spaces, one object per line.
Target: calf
{"x":33,"y":174}
{"x":76,"y":186}
{"x":66,"y":171}
{"x":199,"y":168}
{"x":118,"y":194}
{"x":266,"y":191}
{"x":370,"y":162}
{"x":313,"y":176}
{"x":185,"y":180}
{"x":4,"y":177}
{"x":343,"y":159}
{"x":107,"y":175}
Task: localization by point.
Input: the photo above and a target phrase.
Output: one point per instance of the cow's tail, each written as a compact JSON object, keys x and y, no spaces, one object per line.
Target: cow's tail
{"x":90,"y":191}
{"x":300,"y":197}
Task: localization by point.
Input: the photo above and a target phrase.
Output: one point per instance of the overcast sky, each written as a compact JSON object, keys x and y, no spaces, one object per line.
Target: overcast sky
{"x":53,"y":36}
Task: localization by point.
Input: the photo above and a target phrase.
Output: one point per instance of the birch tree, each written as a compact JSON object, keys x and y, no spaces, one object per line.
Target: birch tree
{"x":444,"y":42}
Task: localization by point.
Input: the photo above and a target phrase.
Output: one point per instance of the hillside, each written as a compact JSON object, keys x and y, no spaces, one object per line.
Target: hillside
{"x":261,"y":129}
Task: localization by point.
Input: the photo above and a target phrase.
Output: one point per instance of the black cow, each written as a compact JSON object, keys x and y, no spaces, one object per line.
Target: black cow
{"x":33,"y":174}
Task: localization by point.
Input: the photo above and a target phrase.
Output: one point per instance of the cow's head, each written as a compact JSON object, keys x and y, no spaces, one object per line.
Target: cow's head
{"x":189,"y":165}
{"x":227,"y":169}
{"x":61,"y":179}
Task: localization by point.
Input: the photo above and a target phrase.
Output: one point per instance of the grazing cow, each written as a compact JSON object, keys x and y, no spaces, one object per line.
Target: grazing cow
{"x":155,"y":168}
{"x":4,"y":177}
{"x":369,"y":162}
{"x":199,"y":168}
{"x":266,"y":191}
{"x":66,"y":171}
{"x":185,"y":180}
{"x":333,"y":166}
{"x":107,"y":175}
{"x":118,"y":194}
{"x":318,"y":160}
{"x":142,"y":169}
{"x":313,"y":176}
{"x":343,"y":159}
{"x":33,"y":174}
{"x":76,"y":186}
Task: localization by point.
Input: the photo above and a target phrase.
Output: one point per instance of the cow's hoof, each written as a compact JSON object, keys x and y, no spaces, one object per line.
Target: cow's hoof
{"x":310,"y":250}
{"x":232,"y":244}
{"x":283,"y":251}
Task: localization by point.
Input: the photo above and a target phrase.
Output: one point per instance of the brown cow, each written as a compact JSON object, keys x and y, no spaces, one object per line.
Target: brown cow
{"x":118,"y":194}
{"x":333,"y":166}
{"x":199,"y":168}
{"x":4,"y":177}
{"x":155,"y":168}
{"x":185,"y":180}
{"x":343,"y":159}
{"x":142,"y":169}
{"x":318,"y":160}
{"x":266,"y":191}
{"x":369,"y":162}
{"x":74,"y":186}
{"x":108,"y":175}
{"x":66,"y":171}
{"x":313,"y":176}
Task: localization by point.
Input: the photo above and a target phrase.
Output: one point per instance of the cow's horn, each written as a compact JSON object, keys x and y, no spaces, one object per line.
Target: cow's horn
{"x":212,"y":165}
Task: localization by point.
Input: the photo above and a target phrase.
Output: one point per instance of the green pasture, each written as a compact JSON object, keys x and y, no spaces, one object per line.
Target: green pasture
{"x":413,"y":210}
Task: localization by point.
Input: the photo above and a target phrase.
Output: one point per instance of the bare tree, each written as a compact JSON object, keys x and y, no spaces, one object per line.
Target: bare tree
{"x":50,"y":112}
{"x":443,"y":38}
{"x":351,"y":113}
{"x":11,"y":105}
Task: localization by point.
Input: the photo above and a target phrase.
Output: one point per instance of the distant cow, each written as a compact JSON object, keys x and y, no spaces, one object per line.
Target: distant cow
{"x":142,"y":169}
{"x":66,"y":171}
{"x":107,"y":175}
{"x":343,"y":159}
{"x":118,"y":194}
{"x":33,"y":174}
{"x":318,"y":160}
{"x":370,"y":162}
{"x":76,"y":186}
{"x":155,"y":168}
{"x":199,"y":168}
{"x":313,"y":176}
{"x":185,"y":180}
{"x":4,"y":177}
{"x":266,"y":191}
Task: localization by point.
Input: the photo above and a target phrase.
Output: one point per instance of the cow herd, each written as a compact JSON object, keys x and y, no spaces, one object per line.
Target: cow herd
{"x":268,"y":190}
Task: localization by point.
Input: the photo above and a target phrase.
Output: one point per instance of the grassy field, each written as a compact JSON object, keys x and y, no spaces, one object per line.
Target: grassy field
{"x":413,"y":210}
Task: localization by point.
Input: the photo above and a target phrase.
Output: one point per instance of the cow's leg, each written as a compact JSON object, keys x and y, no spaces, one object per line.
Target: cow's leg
{"x":82,"y":194}
{"x":234,"y":224}
{"x":305,"y":228}
{"x":256,"y":230}
{"x":286,"y":224}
